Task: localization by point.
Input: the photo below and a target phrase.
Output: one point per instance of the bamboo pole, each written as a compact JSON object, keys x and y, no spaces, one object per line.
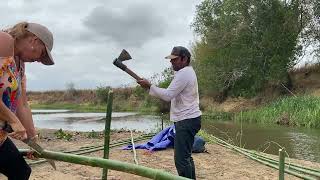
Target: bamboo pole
{"x":111,"y":164}
{"x":123,"y":140}
{"x":93,"y":149}
{"x":107,"y":133}
{"x":281,"y":164}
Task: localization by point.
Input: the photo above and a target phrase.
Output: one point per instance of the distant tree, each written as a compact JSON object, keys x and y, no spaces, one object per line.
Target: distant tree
{"x":71,"y":90}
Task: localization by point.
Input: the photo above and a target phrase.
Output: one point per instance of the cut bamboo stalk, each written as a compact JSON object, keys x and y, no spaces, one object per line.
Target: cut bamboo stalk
{"x":281,"y":164}
{"x":87,"y":151}
{"x":111,"y":164}
{"x":107,"y":133}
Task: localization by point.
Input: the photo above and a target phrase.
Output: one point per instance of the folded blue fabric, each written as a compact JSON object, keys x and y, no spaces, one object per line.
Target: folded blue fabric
{"x":165,"y":139}
{"x":162,"y":140}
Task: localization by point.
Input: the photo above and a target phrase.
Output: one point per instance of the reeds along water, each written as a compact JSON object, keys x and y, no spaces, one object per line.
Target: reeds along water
{"x":293,"y":111}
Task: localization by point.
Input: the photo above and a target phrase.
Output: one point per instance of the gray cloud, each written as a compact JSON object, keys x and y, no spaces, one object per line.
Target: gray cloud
{"x":89,"y":35}
{"x":131,"y":26}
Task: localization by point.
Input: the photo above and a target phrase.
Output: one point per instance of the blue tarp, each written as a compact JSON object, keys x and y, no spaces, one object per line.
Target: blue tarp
{"x":165,"y":139}
{"x":162,"y":140}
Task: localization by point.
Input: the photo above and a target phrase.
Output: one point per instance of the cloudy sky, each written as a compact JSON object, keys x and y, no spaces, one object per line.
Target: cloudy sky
{"x":89,"y":35}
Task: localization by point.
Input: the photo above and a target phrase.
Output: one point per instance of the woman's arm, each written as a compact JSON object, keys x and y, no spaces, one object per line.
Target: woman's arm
{"x":24,"y":111}
{"x":6,"y":115}
{"x":19,"y":132}
{"x":6,"y":44}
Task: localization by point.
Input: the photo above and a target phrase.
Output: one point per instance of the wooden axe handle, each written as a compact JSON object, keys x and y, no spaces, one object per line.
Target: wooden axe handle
{"x":131,"y":73}
{"x":123,"y":67}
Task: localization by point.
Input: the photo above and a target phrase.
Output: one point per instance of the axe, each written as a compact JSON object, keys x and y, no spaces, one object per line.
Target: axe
{"x":124,"y":55}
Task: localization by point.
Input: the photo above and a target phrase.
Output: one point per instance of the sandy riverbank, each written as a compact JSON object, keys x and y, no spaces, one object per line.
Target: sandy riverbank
{"x":219,"y":163}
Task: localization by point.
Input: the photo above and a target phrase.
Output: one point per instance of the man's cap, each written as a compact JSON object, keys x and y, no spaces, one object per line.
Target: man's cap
{"x":179,"y":51}
{"x":46,"y":37}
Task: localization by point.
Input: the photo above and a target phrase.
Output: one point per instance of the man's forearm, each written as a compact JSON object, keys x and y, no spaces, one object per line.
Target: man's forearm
{"x":161,"y":93}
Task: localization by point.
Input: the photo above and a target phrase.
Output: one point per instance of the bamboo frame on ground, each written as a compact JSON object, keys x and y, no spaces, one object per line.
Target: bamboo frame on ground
{"x":296,"y":170}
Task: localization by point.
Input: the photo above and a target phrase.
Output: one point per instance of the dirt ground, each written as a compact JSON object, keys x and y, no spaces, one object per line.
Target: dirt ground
{"x":218,"y":163}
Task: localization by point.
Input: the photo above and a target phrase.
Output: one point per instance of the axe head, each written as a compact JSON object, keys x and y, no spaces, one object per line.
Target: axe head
{"x":124,"y":55}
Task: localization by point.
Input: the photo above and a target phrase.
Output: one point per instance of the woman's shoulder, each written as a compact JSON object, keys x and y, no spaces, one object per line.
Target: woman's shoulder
{"x":6,"y":44}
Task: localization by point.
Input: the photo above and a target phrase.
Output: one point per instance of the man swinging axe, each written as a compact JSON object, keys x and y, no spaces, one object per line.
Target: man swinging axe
{"x":184,"y":111}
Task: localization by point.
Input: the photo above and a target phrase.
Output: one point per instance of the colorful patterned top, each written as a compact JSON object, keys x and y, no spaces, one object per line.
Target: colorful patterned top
{"x":10,"y":85}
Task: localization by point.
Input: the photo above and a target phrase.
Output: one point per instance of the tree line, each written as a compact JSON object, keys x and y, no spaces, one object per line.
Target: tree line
{"x":244,"y":46}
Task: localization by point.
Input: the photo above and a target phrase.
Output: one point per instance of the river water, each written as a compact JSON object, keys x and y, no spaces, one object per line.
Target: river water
{"x":300,"y":143}
{"x":62,"y":119}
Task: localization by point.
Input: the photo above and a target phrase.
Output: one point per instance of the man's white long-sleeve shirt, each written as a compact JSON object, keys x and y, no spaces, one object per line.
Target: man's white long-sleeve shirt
{"x":183,"y":94}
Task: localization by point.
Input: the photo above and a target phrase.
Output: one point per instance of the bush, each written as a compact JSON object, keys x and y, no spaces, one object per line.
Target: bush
{"x":102,"y":94}
{"x":93,"y":134}
{"x":60,"y":134}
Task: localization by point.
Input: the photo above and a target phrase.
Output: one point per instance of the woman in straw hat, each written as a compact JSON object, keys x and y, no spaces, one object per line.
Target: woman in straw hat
{"x":24,"y":42}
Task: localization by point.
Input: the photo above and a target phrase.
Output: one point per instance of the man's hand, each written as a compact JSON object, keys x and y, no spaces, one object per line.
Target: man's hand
{"x":144,"y":83}
{"x":19,"y":132}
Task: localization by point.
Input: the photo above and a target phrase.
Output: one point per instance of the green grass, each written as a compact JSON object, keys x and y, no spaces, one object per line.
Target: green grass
{"x":94,"y":134}
{"x":60,"y":134}
{"x":207,"y":137}
{"x":300,"y":111}
{"x":73,"y":107}
{"x":217,"y":116}
{"x":96,"y":107}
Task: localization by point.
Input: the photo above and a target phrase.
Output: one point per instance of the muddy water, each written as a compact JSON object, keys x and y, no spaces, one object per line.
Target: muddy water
{"x":300,"y":143}
{"x":94,"y":121}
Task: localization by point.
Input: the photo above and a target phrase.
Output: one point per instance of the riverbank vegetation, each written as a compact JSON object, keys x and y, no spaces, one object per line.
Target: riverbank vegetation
{"x":250,"y":48}
{"x":294,"y":111}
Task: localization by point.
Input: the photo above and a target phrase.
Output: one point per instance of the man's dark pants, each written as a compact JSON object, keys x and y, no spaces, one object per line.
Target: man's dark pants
{"x":183,"y":142}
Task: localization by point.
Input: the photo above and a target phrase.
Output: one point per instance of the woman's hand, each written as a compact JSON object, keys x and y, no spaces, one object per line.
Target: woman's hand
{"x":32,"y":155}
{"x":19,"y":132}
{"x":34,"y":138}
